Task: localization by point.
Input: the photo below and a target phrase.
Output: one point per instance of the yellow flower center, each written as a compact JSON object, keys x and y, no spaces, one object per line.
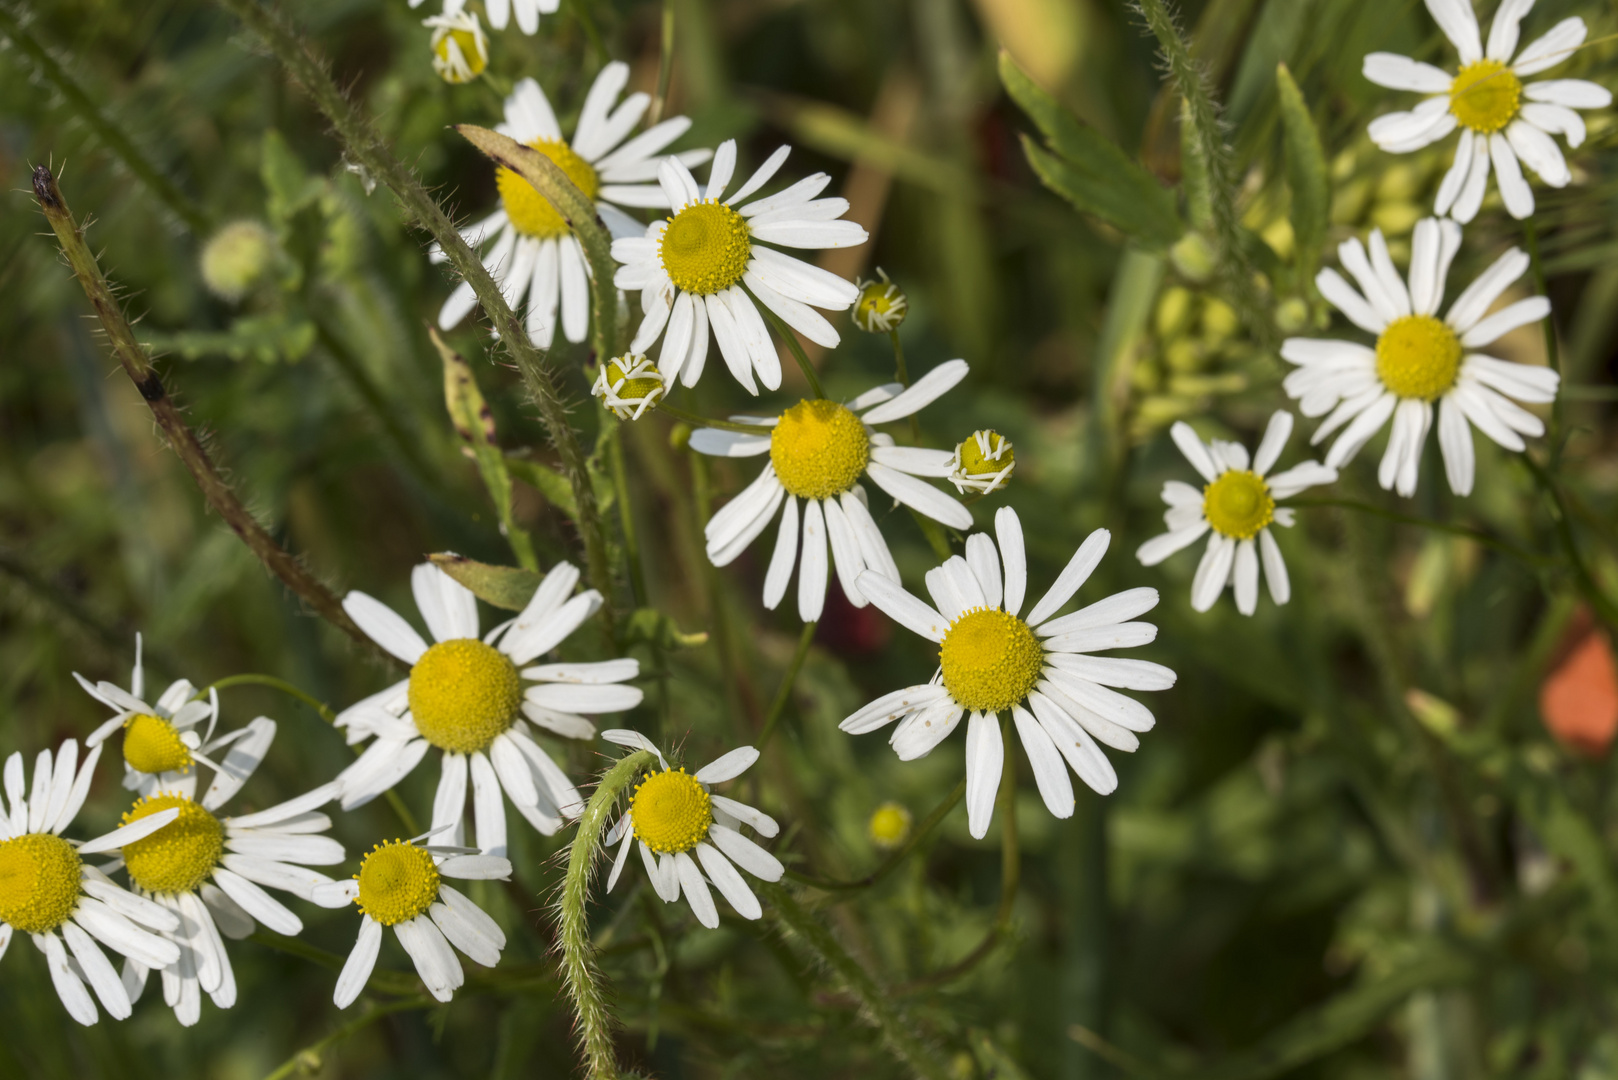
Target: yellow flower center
{"x":985,"y":453}
{"x":670,"y":812}
{"x":991,"y":660}
{"x":531,"y":213}
{"x":463,"y":693}
{"x":179,"y":856}
{"x":398,"y":881}
{"x":152,"y":745}
{"x":1485,"y":96}
{"x":1418,"y":356}
{"x":881,"y":306}
{"x":470,"y":62}
{"x":642,"y":386}
{"x":1238,"y":504}
{"x":890,"y":825}
{"x":819,"y":449}
{"x":39,"y":882}
{"x":705,"y":248}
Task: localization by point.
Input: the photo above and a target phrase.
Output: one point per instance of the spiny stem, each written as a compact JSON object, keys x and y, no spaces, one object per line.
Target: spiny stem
{"x":784,"y":694}
{"x":921,"y":832}
{"x":876,"y":1003}
{"x":573,"y":940}
{"x":1203,"y":114}
{"x":221,"y":498}
{"x":367,"y":149}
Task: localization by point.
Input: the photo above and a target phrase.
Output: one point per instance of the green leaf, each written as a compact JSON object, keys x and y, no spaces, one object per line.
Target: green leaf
{"x":508,"y":587}
{"x":1306,"y":175}
{"x":545,"y":480}
{"x":1088,"y":169}
{"x":652,"y":627}
{"x":289,"y":185}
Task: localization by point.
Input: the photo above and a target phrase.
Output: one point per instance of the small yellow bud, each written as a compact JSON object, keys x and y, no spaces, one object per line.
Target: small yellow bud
{"x":236,"y":258}
{"x":890,"y":825}
{"x":1193,"y":256}
{"x":882,"y":305}
{"x":1292,"y":315}
{"x":460,"y":51}
{"x":983,"y":463}
{"x":1219,"y":321}
{"x":1173,"y":311}
{"x":629,"y":385}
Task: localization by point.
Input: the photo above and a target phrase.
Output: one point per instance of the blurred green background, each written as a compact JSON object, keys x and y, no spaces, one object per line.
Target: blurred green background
{"x":1306,"y":871}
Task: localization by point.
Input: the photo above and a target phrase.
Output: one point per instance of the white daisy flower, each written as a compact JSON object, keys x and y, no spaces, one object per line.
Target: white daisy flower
{"x":48,"y":892}
{"x":1238,"y":507}
{"x":466,"y":697}
{"x":499,"y":11}
{"x":161,"y":740}
{"x":211,"y":873}
{"x":1419,"y":359}
{"x":1503,"y":120}
{"x":531,"y":251}
{"x":818,"y":452}
{"x":709,"y":266}
{"x":992,"y":660}
{"x":689,"y":837}
{"x":400,"y":884}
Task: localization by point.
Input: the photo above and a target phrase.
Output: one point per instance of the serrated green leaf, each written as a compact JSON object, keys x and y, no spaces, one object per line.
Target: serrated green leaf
{"x":651,"y":627}
{"x":507,"y":587}
{"x":1306,"y":175}
{"x":289,"y":186}
{"x":1088,"y":169}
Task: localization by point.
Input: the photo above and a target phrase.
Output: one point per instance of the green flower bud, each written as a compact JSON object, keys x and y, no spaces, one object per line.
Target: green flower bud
{"x":236,"y":258}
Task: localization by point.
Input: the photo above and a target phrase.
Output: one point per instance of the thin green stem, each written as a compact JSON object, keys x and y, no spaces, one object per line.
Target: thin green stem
{"x":579,"y":973}
{"x":902,"y":375}
{"x":1010,"y":877}
{"x":674,"y":412}
{"x":626,"y":518}
{"x":1586,"y":583}
{"x":784,"y":694}
{"x":1553,"y":354}
{"x":899,"y":854}
{"x":308,"y":1059}
{"x":1528,"y":558}
{"x":785,"y":333}
{"x":665,"y":66}
{"x":876,"y":1003}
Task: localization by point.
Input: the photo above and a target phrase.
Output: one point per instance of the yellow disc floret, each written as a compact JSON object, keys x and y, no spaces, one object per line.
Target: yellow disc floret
{"x":705,"y":248}
{"x":1238,"y":504}
{"x":1418,"y":356}
{"x":670,"y":812}
{"x":179,"y":856}
{"x":890,"y":825}
{"x":152,"y":745}
{"x":39,"y":882}
{"x":463,"y":693}
{"x":990,"y":660}
{"x":819,"y":448}
{"x":398,"y":881}
{"x":531,"y":213}
{"x":1485,"y":96}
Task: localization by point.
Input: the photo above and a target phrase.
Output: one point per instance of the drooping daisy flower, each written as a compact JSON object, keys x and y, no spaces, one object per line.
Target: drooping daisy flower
{"x":991,"y":660}
{"x":161,"y":743}
{"x":460,"y":51}
{"x":983,"y":463}
{"x":695,"y":270}
{"x":628,"y":385}
{"x":499,"y":11}
{"x":1503,"y":120}
{"x":1419,"y":359}
{"x":400,"y":884}
{"x":533,"y":252}
{"x":881,"y":307}
{"x":466,"y":697}
{"x":1237,"y":506}
{"x":211,"y":872}
{"x":818,"y":452}
{"x":64,"y":904}
{"x":688,"y":836}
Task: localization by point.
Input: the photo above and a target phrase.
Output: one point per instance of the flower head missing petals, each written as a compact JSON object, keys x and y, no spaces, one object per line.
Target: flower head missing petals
{"x":152,"y":745}
{"x":1485,"y":96}
{"x":990,"y":660}
{"x":983,"y":463}
{"x":39,"y":882}
{"x":705,"y":248}
{"x":628,"y":385}
{"x":670,"y":811}
{"x":179,"y":856}
{"x":398,"y":881}
{"x":463,"y":693}
{"x":1418,"y":356}
{"x":532,"y":213}
{"x":819,"y":448}
{"x":1238,"y":504}
{"x":460,"y":51}
{"x":882,"y":305}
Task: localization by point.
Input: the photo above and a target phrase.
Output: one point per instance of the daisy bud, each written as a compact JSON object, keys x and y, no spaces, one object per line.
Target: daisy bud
{"x":889,"y":826}
{"x":236,"y":258}
{"x":983,"y":463}
{"x":460,"y":51}
{"x":628,"y":385}
{"x":881,"y":306}
{"x":1193,"y":257}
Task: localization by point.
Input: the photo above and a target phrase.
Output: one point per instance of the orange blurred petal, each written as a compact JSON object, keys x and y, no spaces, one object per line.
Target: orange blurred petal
{"x":1579,"y":699}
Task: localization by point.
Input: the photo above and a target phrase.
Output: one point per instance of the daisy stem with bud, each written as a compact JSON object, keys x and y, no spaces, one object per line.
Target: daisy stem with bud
{"x":578,"y":965}
{"x":900,"y":854}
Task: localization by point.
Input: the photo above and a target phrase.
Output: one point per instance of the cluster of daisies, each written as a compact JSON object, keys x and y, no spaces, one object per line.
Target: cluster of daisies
{"x":180,"y":874}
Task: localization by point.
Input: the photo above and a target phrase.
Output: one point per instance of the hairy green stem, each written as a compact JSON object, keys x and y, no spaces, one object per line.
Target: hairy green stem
{"x":579,"y":974}
{"x":368,"y":150}
{"x":221,"y":498}
{"x":899,"y":855}
{"x":1207,"y":128}
{"x":784,"y":694}
{"x":876,"y":1003}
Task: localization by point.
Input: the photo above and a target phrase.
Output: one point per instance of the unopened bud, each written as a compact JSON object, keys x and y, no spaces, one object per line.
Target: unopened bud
{"x":629,"y":385}
{"x":236,"y":258}
{"x":890,"y":825}
{"x":460,"y":51}
{"x":983,"y":463}
{"x":1193,"y":257}
{"x":882,"y":305}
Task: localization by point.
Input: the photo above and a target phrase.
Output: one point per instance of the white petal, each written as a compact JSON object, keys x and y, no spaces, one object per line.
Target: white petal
{"x":1075,"y":744}
{"x":1514,"y":189}
{"x":299,"y":850}
{"x":1460,"y":25}
{"x":728,"y":766}
{"x":984,"y":562}
{"x":1470,"y":306}
{"x":784,"y":557}
{"x":1552,"y":49}
{"x":1455,"y":442}
{"x":128,"y":834}
{"x":244,"y":758}
{"x":985,"y":758}
{"x":696,"y":891}
{"x":435,"y":961}
{"x":1072,"y":577}
{"x":385,"y":626}
{"x":812,"y":573}
{"x":1402,"y":73}
{"x":118,"y":933}
{"x":1212,"y":572}
{"x":1195,"y":451}
{"x":845,"y":551}
{"x":1506,"y":320}
{"x":890,"y":707}
{"x":753,"y":818}
{"x":746,"y":854}
{"x":361,"y":960}
{"x":1246,"y":578}
{"x":1344,"y":298}
{"x":761,"y":175}
{"x":1008,"y":530}
{"x":919,"y":496}
{"x":892,"y":600}
{"x":1539,"y":152}
{"x":1050,"y":773}
{"x":488,"y":808}
{"x":476,"y":867}
{"x":258,"y":903}
{"x":1569,"y":93}
{"x":927,"y":389}
{"x":75,"y":998}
